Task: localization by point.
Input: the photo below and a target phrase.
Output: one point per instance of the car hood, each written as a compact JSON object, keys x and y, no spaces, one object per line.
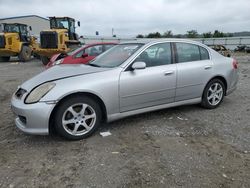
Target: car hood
{"x":60,"y":72}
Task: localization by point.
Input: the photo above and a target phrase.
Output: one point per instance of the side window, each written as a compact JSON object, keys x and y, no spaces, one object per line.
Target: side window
{"x":79,"y":54}
{"x":94,"y":50}
{"x":187,"y":52}
{"x":204,"y":53}
{"x":156,"y":55}
{"x":23,"y":30}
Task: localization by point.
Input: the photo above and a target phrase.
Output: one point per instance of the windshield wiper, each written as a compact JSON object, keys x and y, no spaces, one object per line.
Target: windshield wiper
{"x":94,"y":65}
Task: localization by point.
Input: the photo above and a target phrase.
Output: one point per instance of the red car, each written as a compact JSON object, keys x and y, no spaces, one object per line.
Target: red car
{"x":80,"y":55}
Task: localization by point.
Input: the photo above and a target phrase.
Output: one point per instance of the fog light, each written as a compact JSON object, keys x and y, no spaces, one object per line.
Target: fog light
{"x":22,"y":119}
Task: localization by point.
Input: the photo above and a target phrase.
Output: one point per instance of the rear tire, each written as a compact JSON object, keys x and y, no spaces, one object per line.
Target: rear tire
{"x":25,"y":54}
{"x":213,"y":94}
{"x":4,"y":58}
{"x":77,"y":117}
{"x":45,"y":60}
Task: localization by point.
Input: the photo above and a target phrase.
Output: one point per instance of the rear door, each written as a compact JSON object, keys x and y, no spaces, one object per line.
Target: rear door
{"x":154,"y":85}
{"x":194,"y":69}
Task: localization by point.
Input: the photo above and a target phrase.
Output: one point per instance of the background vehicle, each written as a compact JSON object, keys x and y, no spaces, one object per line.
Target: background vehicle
{"x":247,"y":49}
{"x":61,"y":38}
{"x":221,"y":49}
{"x":240,"y":48}
{"x":81,"y":55}
{"x":128,"y":79}
{"x":15,"y":40}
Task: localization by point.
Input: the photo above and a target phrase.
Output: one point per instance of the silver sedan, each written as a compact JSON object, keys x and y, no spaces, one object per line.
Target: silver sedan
{"x":128,"y":79}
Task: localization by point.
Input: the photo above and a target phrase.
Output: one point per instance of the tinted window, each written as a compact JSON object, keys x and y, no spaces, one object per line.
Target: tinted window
{"x":204,"y":53}
{"x":187,"y":52}
{"x":159,"y":54}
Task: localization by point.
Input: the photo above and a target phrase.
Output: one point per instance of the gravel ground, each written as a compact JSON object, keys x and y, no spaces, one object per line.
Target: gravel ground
{"x":179,"y":147}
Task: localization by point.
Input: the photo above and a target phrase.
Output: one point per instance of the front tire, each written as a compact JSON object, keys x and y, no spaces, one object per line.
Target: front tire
{"x":25,"y":54}
{"x":45,"y":60}
{"x":77,"y":117}
{"x":213,"y":94}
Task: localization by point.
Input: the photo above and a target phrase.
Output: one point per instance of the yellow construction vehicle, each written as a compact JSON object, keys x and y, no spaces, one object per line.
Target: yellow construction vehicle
{"x":15,"y":40}
{"x":61,"y":38}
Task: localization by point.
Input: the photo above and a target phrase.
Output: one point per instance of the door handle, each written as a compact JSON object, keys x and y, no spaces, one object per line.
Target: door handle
{"x":168,"y":73}
{"x":207,"y":67}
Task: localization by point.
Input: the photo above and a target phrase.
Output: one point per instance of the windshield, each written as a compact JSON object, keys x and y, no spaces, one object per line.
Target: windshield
{"x":11,"y":28}
{"x":61,"y":23}
{"x":116,"y":55}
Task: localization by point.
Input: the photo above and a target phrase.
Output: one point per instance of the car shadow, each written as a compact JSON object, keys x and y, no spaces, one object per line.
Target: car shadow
{"x":168,"y":112}
{"x":16,"y":60}
{"x":179,"y":111}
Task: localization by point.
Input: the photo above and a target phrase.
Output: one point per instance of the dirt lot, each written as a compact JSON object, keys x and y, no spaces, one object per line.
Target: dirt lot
{"x":178,"y":147}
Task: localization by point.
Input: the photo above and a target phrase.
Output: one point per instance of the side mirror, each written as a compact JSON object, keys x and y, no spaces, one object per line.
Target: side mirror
{"x":139,"y":65}
{"x":78,"y":23}
{"x":85,"y":55}
{"x":30,"y":28}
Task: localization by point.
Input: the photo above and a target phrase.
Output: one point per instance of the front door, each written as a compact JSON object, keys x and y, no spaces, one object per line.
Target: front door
{"x":92,"y":52}
{"x":154,"y":85}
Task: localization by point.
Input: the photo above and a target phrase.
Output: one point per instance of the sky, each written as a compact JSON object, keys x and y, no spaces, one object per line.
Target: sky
{"x":131,"y":17}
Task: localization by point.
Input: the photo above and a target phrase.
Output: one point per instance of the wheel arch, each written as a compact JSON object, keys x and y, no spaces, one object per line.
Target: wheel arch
{"x":220,"y":77}
{"x":89,"y":94}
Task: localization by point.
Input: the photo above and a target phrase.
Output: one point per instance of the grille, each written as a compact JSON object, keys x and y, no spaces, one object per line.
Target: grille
{"x":2,"y":41}
{"x":20,"y":92}
{"x":10,"y":41}
{"x":48,"y":39}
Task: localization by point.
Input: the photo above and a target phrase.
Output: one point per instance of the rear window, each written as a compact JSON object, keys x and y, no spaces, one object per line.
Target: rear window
{"x":204,"y":53}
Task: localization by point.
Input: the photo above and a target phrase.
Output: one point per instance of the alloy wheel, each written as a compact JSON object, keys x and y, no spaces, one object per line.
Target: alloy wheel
{"x":215,"y":94}
{"x":79,"y":119}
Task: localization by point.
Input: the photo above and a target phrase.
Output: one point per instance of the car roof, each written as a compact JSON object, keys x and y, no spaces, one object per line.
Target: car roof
{"x":153,"y":41}
{"x":146,"y":41}
{"x":14,"y":23}
{"x":93,"y":44}
{"x":99,"y":43}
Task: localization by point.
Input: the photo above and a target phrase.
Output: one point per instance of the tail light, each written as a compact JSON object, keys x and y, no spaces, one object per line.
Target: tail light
{"x":235,"y":64}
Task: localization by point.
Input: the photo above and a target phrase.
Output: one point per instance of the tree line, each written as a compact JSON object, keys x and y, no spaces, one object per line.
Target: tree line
{"x":189,"y":34}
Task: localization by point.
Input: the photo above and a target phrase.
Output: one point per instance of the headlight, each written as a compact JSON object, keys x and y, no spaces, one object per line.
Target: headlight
{"x":37,"y":93}
{"x":58,"y":62}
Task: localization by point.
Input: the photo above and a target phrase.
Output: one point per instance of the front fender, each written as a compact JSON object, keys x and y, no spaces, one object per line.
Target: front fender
{"x":103,"y":84}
